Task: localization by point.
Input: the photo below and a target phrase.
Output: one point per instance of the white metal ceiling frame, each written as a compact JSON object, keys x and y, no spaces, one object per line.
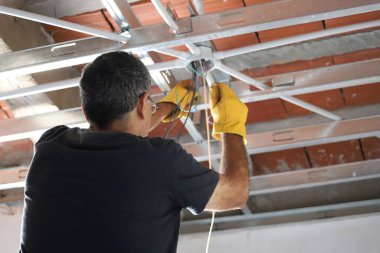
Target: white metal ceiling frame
{"x":315,"y":177}
{"x":248,"y":49}
{"x":262,"y":86}
{"x":282,"y":216}
{"x":302,"y":82}
{"x":196,"y":53}
{"x":219,"y":65}
{"x":64,"y":24}
{"x":220,"y":25}
{"x":70,"y":82}
{"x":219,"y":55}
{"x":168,"y":65}
{"x":337,"y":76}
{"x":258,"y":142}
{"x":253,"y":96}
{"x":120,"y":9}
{"x":278,"y":182}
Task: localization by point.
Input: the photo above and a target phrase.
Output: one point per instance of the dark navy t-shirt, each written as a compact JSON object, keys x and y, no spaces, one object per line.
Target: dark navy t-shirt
{"x":90,"y":191}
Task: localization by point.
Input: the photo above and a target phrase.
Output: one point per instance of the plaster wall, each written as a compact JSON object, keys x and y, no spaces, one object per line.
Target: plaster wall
{"x":10,"y":228}
{"x":354,"y":234}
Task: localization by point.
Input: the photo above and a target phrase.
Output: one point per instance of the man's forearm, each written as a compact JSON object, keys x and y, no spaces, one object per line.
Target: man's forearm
{"x":234,"y":164}
{"x":163,"y":111}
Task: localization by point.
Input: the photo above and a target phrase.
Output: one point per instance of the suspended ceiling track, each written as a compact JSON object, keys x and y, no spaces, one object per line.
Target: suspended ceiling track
{"x":286,"y":138}
{"x":301,"y":179}
{"x":278,"y":182}
{"x":293,"y":83}
{"x":283,"y":216}
{"x":298,"y":137}
{"x":207,"y":54}
{"x":301,"y":82}
{"x":220,"y":25}
{"x":327,"y":78}
{"x":14,"y":178}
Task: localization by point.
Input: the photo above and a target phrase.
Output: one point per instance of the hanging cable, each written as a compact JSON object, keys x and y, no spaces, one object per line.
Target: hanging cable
{"x":170,"y":126}
{"x":208,"y":149}
{"x":195,"y":87}
{"x":188,"y":113}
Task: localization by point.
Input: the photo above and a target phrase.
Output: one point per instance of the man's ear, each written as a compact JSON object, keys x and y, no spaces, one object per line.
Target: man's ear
{"x":141,"y":104}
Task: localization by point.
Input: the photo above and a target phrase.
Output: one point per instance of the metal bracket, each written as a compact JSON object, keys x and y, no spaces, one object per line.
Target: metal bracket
{"x":63,"y":49}
{"x":184,"y":26}
{"x":283,"y":81}
{"x":206,"y":55}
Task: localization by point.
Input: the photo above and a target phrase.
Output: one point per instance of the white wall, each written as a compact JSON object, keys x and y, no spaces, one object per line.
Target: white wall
{"x":355,"y":234}
{"x":10,"y":227}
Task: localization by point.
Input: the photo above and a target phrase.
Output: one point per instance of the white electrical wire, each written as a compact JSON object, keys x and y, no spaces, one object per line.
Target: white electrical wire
{"x":209,"y":151}
{"x":210,"y":231}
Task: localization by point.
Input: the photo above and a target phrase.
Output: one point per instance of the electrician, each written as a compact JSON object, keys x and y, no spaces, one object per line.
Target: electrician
{"x":111,"y":188}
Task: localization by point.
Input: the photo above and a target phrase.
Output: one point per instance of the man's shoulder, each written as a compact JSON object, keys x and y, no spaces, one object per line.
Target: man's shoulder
{"x":169,"y":150}
{"x":165,"y":145}
{"x":52,"y":133}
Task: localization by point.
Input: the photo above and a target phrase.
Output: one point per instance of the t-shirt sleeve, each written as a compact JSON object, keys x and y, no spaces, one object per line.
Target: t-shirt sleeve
{"x":193,"y":184}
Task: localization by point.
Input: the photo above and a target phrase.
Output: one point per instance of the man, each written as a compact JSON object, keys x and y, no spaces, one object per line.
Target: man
{"x":110,"y":188}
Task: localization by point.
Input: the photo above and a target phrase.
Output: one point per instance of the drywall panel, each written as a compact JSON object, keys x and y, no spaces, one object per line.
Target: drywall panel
{"x":355,"y":234}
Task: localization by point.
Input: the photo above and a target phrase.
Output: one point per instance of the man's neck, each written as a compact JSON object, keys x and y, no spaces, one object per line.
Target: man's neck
{"x":126,"y":125}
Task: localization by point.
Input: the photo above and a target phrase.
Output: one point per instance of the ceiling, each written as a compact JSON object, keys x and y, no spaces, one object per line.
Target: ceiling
{"x":299,"y":159}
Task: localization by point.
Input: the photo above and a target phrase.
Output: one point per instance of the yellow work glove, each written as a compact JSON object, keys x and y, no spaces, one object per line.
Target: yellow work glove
{"x":229,"y":113}
{"x":181,"y":96}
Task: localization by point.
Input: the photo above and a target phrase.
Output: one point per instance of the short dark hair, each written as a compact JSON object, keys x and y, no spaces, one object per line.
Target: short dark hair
{"x":111,"y":85}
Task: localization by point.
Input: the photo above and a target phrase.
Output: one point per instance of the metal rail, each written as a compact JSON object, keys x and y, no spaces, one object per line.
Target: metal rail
{"x":301,"y":179}
{"x":64,"y":24}
{"x":122,"y":14}
{"x":287,"y":98}
{"x":37,"y":89}
{"x":295,"y":39}
{"x":299,"y":82}
{"x":276,"y":182}
{"x":284,"y":216}
{"x":278,"y":93}
{"x":26,"y":127}
{"x":172,"y":24}
{"x":297,"y":137}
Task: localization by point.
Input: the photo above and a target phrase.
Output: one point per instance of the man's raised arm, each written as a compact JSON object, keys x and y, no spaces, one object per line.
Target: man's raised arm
{"x":230,"y":115}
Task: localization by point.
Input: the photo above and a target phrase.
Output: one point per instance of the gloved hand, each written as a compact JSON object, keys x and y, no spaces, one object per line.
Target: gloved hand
{"x":179,"y":95}
{"x":229,"y":113}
